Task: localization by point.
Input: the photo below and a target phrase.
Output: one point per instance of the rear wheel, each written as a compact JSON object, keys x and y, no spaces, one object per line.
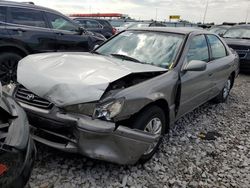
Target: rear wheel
{"x":151,"y":120}
{"x":223,"y":95}
{"x":8,"y":67}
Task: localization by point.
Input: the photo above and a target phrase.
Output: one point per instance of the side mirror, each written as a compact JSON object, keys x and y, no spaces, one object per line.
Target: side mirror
{"x":195,"y":65}
{"x":220,"y":34}
{"x":101,"y":26}
{"x":81,"y":30}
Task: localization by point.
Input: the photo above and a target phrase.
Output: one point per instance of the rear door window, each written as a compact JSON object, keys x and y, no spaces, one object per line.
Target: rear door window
{"x":198,"y":49}
{"x":27,"y":17}
{"x":218,"y":50}
{"x":2,"y":14}
{"x":92,"y":24}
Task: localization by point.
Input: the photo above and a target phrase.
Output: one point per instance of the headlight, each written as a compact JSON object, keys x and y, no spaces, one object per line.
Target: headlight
{"x":109,"y":109}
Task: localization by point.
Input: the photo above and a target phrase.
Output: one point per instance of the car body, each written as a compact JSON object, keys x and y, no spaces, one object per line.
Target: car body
{"x":238,"y":38}
{"x":27,"y":29}
{"x":97,"y":25}
{"x":17,"y":150}
{"x":105,"y":104}
{"x":219,"y":29}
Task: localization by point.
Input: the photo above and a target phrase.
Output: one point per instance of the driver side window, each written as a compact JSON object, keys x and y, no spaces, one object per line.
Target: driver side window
{"x":60,"y":23}
{"x":198,"y":49}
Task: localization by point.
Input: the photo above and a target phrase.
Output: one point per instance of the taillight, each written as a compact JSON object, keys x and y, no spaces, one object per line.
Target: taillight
{"x":3,"y":169}
{"x":114,"y":31}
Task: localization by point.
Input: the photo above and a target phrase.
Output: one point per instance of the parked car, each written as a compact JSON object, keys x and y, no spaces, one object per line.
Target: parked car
{"x":97,"y":25}
{"x":27,"y":29}
{"x":220,"y":29}
{"x":238,"y":38}
{"x":17,"y":151}
{"x":115,"y":103}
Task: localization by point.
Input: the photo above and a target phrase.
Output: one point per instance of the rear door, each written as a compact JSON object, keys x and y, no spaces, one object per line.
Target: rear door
{"x":28,"y":28}
{"x":195,"y":85}
{"x":220,"y":63}
{"x":68,"y":36}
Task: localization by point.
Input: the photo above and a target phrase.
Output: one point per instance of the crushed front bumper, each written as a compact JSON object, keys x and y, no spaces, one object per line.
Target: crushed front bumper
{"x":93,"y":138}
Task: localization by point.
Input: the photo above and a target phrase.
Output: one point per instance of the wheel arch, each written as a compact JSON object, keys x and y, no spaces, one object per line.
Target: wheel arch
{"x":14,"y":49}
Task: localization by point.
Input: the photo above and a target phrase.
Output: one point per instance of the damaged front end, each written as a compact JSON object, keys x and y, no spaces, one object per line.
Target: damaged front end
{"x":17,"y":151}
{"x":79,"y":112}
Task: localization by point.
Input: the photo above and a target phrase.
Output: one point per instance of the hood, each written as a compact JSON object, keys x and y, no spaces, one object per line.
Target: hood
{"x":237,"y":42}
{"x":73,"y":78}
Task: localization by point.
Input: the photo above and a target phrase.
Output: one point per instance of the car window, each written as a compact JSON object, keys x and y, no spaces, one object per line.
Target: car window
{"x":92,"y":24}
{"x":154,"y":48}
{"x":27,"y":17}
{"x":2,"y":14}
{"x":217,"y":48}
{"x":61,"y":23}
{"x":104,"y":23}
{"x":198,"y":49}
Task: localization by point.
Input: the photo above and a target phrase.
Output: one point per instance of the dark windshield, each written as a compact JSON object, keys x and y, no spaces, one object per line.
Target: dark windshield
{"x":238,"y":33}
{"x":155,"y":48}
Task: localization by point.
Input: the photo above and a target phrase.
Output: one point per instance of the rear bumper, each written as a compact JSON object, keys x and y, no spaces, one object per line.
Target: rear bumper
{"x":93,"y":138}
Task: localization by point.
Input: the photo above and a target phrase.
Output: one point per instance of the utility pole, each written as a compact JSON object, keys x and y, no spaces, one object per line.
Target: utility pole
{"x":156,"y":12}
{"x":247,"y":12}
{"x":205,"y":13}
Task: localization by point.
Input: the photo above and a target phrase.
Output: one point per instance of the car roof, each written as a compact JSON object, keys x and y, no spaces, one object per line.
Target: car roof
{"x":26,"y":5}
{"x":178,"y":30}
{"x":242,"y":26}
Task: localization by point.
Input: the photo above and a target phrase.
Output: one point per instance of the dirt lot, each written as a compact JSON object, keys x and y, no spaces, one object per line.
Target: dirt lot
{"x":185,"y":159}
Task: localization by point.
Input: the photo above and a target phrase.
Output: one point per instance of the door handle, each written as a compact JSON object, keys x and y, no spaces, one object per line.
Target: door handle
{"x":210,"y":74}
{"x":19,"y":30}
{"x":59,"y":33}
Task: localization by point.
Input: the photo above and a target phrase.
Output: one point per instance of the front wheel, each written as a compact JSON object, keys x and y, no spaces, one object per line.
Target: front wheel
{"x":8,"y":67}
{"x":223,"y":95}
{"x":152,"y":120}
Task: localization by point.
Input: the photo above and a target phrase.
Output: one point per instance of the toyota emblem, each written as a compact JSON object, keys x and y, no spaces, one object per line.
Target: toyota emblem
{"x":30,"y":97}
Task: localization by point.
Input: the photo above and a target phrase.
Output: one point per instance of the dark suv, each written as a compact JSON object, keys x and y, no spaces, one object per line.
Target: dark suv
{"x":97,"y":25}
{"x":27,"y":29}
{"x":238,"y":38}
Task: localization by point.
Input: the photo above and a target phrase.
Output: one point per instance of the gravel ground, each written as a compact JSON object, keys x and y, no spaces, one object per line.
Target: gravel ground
{"x":186,"y":158}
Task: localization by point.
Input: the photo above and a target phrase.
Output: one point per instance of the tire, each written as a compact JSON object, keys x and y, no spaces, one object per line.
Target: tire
{"x":223,"y":95}
{"x":142,"y":120}
{"x":8,"y":67}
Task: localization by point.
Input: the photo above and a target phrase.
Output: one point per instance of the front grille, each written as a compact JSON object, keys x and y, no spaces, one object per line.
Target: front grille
{"x":25,"y":96}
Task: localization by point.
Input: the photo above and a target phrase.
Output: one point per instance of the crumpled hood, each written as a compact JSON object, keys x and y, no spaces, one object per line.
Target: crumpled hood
{"x":73,"y":78}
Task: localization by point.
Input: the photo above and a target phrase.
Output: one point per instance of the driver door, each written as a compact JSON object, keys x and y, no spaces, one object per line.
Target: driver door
{"x":68,"y":36}
{"x":195,"y":85}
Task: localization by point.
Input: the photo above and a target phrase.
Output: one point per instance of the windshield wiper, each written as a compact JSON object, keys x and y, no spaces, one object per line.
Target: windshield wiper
{"x":125,"y":57}
{"x":95,"y":52}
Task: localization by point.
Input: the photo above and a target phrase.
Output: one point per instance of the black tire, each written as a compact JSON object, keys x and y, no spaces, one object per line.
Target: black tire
{"x":141,"y":121}
{"x":8,"y":67}
{"x":223,"y":95}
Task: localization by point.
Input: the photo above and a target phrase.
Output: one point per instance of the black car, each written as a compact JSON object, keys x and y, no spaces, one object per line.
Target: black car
{"x":17,"y":150}
{"x":238,"y":38}
{"x":97,"y":25}
{"x":27,"y":29}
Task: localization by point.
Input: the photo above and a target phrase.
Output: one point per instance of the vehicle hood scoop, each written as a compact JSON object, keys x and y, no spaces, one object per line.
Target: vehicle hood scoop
{"x":73,"y":78}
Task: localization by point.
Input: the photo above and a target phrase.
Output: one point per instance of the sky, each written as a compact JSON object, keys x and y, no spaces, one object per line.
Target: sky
{"x":192,"y":10}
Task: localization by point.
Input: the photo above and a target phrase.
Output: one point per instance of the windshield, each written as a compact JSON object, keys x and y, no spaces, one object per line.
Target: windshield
{"x":154,"y":48}
{"x":238,"y":33}
{"x":218,"y":30}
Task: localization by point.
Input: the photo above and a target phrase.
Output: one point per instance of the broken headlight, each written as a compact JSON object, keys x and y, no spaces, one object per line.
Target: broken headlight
{"x":109,"y":110}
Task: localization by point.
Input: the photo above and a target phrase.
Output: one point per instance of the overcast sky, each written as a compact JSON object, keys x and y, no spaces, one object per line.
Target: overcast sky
{"x":192,"y":10}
